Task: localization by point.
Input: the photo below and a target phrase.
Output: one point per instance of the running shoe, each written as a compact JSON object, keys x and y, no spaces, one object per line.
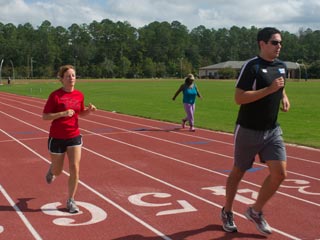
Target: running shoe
{"x":50,"y":177}
{"x":192,"y":129}
{"x":259,"y":221}
{"x":227,"y":221}
{"x":72,"y":206}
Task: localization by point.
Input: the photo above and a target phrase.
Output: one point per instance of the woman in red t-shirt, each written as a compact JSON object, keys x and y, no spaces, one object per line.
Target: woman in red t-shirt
{"x":63,"y":108}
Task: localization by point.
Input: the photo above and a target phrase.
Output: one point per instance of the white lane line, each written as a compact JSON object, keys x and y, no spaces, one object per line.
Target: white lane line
{"x":175,"y":186}
{"x":195,"y":166}
{"x":159,"y":180}
{"x":131,"y":215}
{"x":179,"y":144}
{"x":34,"y":233}
{"x":174,"y":159}
{"x":187,"y":135}
{"x":182,"y":190}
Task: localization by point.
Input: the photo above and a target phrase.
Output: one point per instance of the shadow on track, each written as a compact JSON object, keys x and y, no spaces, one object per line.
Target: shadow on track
{"x":189,"y":233}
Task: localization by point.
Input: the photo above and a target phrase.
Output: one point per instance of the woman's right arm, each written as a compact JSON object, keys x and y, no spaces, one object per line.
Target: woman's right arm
{"x":177,"y":92}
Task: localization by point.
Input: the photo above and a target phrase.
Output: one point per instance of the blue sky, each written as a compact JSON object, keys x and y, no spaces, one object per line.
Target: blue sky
{"x":289,"y":15}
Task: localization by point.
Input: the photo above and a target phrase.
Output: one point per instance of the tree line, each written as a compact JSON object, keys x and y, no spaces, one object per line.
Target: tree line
{"x":108,"y":49}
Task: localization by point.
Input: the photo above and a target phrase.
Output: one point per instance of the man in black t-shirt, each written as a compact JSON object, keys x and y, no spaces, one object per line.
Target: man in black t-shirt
{"x":259,"y":92}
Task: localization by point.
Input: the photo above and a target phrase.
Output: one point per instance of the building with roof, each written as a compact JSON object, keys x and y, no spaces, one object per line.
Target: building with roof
{"x":212,"y":71}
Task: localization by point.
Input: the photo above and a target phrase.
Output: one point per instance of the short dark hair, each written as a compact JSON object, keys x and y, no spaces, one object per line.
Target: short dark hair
{"x":265,"y":34}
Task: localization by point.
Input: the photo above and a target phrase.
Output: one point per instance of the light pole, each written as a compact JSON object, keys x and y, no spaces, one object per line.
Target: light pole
{"x":305,"y":71}
{"x":298,"y":64}
{"x":304,"y":67}
{"x":31,"y":66}
{"x":1,"y":70}
{"x":181,"y":66}
{"x":12,"y":69}
{"x":75,"y":62}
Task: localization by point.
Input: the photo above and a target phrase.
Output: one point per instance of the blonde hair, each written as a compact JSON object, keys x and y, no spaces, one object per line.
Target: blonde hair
{"x":63,"y":69}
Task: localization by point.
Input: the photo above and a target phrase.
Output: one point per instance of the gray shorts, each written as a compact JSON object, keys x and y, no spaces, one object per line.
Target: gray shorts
{"x":248,"y":143}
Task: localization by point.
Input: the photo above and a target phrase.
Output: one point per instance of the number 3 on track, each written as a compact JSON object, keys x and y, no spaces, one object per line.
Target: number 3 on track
{"x":98,"y":215}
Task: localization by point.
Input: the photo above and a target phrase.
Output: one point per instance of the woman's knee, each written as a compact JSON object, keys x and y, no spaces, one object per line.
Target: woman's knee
{"x":57,"y":164}
{"x":74,"y":167}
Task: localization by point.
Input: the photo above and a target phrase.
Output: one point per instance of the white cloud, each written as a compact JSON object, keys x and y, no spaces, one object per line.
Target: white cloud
{"x":290,"y":15}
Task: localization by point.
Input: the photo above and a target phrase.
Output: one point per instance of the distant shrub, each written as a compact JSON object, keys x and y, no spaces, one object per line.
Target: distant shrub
{"x":227,"y":73}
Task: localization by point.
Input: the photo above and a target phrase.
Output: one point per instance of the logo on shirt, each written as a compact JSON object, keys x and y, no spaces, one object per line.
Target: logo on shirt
{"x":71,"y":103}
{"x":282,"y":70}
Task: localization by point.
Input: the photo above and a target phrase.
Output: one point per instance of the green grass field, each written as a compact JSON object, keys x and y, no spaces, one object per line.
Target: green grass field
{"x":216,"y":111}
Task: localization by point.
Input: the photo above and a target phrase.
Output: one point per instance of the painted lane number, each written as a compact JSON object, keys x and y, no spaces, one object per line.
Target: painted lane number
{"x":65,"y":218}
{"x":221,"y":191}
{"x":301,"y":185}
{"x":137,"y":200}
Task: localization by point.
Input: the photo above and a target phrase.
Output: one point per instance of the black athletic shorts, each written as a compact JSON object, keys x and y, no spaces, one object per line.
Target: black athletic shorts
{"x":59,"y":146}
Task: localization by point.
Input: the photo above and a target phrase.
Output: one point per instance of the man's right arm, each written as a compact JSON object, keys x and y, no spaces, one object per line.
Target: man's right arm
{"x":244,"y":97}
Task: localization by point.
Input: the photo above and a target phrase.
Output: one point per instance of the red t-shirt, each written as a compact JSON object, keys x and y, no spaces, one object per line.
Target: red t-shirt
{"x":58,"y":101}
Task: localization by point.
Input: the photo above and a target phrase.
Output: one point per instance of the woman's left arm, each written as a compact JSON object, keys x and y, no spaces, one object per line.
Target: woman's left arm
{"x":88,"y":110}
{"x":198,"y":92}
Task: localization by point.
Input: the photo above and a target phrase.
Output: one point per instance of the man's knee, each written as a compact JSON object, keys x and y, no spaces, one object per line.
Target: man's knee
{"x":277,"y":170}
{"x":236,"y":174}
{"x":278,"y":176}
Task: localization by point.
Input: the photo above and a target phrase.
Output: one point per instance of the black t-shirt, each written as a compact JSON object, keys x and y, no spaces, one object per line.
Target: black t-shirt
{"x":257,"y":74}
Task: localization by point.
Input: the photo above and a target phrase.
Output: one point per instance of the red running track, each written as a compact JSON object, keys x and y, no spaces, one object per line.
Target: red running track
{"x":141,"y":179}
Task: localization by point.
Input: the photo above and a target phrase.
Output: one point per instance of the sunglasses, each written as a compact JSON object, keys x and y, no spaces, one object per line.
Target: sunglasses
{"x":275,"y":42}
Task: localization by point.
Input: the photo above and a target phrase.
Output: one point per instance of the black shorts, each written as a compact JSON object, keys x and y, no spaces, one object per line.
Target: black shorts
{"x":59,"y":146}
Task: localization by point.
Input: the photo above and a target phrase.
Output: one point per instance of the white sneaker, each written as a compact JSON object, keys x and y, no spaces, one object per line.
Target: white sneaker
{"x":72,"y":206}
{"x":227,"y":221}
{"x":258,"y":219}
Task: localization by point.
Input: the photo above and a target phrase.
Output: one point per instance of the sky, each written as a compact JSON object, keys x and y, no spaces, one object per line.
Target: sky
{"x":286,"y":15}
